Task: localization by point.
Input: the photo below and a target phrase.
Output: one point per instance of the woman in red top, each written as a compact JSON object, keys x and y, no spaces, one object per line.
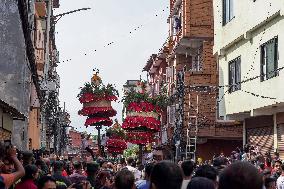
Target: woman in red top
{"x":28,"y":180}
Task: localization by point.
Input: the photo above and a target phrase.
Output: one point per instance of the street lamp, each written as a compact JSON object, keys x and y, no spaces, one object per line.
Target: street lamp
{"x":59,"y":16}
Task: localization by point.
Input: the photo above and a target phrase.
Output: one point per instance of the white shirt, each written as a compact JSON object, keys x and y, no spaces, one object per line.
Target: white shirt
{"x":184,"y":184}
{"x":135,"y":171}
{"x":280,"y":182}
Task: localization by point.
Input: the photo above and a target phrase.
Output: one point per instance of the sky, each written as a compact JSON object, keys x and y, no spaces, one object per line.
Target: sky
{"x":89,"y":32}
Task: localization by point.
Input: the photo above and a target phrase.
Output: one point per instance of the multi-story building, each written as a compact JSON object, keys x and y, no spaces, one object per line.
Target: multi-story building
{"x":25,"y":79}
{"x":189,"y":71}
{"x":248,"y":41}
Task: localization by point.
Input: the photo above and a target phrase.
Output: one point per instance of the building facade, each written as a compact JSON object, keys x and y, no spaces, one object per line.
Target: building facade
{"x":248,"y":47}
{"x":186,"y":66}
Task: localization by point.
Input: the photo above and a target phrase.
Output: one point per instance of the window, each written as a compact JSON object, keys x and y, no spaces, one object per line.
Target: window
{"x":235,"y":75}
{"x":269,"y":59}
{"x":228,"y":13}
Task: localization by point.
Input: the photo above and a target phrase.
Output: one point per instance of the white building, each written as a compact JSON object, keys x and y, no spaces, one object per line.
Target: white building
{"x":249,"y":46}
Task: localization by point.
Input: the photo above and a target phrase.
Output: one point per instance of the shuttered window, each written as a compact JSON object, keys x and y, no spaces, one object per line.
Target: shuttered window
{"x":235,"y":75}
{"x":280,"y":139}
{"x":269,"y":59}
{"x":261,"y":137}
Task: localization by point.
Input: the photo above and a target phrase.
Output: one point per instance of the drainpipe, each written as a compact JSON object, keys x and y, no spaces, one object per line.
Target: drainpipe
{"x":275,"y":142}
{"x":244,"y":133}
{"x":46,"y":65}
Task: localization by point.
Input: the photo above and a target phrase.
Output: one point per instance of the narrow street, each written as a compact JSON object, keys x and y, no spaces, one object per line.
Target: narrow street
{"x":176,"y":94}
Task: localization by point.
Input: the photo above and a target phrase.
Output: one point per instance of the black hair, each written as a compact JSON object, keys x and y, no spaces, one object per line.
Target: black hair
{"x":30,"y":170}
{"x":262,"y":166}
{"x":282,"y":167}
{"x":124,"y":179}
{"x":187,"y":167}
{"x":58,"y":166}
{"x":41,"y":182}
{"x":149,"y":168}
{"x":267,"y":181}
{"x":166,"y":174}
{"x":77,"y":165}
{"x":130,"y":160}
{"x":240,"y":175}
{"x":278,"y":161}
{"x":207,"y":171}
{"x":200,"y":183}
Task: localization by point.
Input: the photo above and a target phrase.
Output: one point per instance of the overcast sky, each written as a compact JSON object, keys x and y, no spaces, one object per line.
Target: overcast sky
{"x":108,"y":21}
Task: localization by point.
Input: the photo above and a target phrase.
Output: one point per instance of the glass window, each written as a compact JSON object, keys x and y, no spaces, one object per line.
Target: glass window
{"x":235,"y":75}
{"x":228,"y":11}
{"x":269,"y":59}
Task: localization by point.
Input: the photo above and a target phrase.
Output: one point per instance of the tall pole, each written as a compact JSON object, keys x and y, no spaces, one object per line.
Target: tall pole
{"x":99,"y":141}
{"x":46,"y":65}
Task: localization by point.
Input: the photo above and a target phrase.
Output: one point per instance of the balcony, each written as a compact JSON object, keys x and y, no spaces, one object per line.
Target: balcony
{"x":40,"y":8}
{"x":190,"y":22}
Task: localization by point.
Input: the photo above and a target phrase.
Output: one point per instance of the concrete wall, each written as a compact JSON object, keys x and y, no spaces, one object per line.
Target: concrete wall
{"x":247,"y":15}
{"x":243,"y":37}
{"x":14,"y":72}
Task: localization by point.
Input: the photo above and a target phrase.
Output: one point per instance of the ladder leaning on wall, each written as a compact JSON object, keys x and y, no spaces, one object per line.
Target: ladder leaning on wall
{"x":191,"y":132}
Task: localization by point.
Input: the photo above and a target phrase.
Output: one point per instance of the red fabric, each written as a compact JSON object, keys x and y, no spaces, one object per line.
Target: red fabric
{"x":64,"y":173}
{"x":140,"y":137}
{"x":98,"y":120}
{"x":107,"y":111}
{"x":136,"y":122}
{"x":27,"y":184}
{"x":89,"y":97}
{"x":143,"y":107}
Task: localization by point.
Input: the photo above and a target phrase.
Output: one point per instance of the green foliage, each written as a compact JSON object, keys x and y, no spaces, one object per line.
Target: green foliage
{"x":99,"y":90}
{"x":131,"y":151}
{"x":133,"y":95}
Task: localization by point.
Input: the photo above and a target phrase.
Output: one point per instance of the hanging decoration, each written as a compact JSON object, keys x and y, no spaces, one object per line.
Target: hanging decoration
{"x":143,"y":113}
{"x":96,"y":99}
{"x":116,"y":143}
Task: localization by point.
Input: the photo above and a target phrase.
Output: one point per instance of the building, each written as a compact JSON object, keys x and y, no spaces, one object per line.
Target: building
{"x":186,"y":66}
{"x":28,"y":72}
{"x":18,"y":70}
{"x":248,"y":47}
{"x":75,"y":141}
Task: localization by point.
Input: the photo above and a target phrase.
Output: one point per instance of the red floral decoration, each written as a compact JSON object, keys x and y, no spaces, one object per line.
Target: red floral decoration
{"x":141,"y":123}
{"x":143,"y":107}
{"x":89,"y":97}
{"x":106,"y":111}
{"x":97,"y":121}
{"x":141,"y":138}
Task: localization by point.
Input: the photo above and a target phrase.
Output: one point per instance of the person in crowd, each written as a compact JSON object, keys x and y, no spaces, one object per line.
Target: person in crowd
{"x":276,"y":172}
{"x":145,"y":184}
{"x":124,"y":179}
{"x":92,"y":170}
{"x":280,"y":180}
{"x":11,"y":178}
{"x":166,"y":174}
{"x":28,"y":181}
{"x":103,"y":180}
{"x":270,"y":183}
{"x":57,"y":174}
{"x":187,"y":169}
{"x":201,"y":183}
{"x":46,"y":182}
{"x":28,"y":158}
{"x":240,"y":175}
{"x":42,"y":167}
{"x":8,"y":166}
{"x":209,"y":172}
{"x":77,"y":175}
{"x":103,"y":164}
{"x":130,"y":163}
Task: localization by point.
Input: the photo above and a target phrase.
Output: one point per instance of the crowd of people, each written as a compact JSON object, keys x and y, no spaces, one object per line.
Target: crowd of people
{"x":242,"y":170}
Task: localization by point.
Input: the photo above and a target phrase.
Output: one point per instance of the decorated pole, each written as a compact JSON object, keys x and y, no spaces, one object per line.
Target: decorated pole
{"x":96,"y":99}
{"x":143,"y":113}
